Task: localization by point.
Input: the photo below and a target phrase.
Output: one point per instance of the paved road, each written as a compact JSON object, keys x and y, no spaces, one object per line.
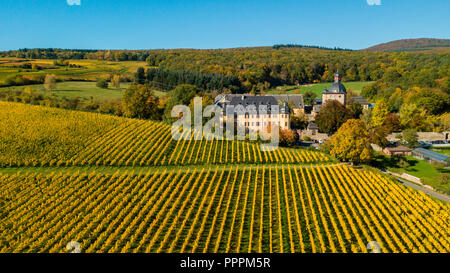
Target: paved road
{"x":437,"y":195}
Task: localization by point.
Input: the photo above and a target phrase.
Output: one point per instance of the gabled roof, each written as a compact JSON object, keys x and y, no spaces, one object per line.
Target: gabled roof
{"x":257,"y":101}
{"x":295,"y":99}
{"x":398,"y":149}
{"x":360,"y":100}
{"x":312,"y":126}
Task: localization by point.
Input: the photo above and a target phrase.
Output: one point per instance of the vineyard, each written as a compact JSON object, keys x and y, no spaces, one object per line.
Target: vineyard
{"x":40,"y":136}
{"x":163,"y":195}
{"x":281,"y":208}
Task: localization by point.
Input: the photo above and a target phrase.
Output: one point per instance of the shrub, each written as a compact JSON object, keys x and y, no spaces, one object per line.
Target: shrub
{"x":102,"y":84}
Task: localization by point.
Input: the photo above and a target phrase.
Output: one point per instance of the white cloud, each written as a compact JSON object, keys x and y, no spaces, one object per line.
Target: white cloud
{"x":78,"y":2}
{"x":374,"y":2}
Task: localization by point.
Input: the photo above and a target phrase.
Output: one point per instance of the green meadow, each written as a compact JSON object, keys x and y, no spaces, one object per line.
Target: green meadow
{"x":85,"y":90}
{"x":356,"y":87}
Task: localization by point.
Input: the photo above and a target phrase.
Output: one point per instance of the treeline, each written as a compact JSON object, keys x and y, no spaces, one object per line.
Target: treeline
{"x":278,"y":46}
{"x":168,"y":79}
{"x":77,"y":54}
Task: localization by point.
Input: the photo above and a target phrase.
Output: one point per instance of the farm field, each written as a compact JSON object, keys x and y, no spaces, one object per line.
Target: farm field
{"x":124,"y":185}
{"x":317,"y":88}
{"x":87,"y":70}
{"x":261,"y":209}
{"x":84,"y":90}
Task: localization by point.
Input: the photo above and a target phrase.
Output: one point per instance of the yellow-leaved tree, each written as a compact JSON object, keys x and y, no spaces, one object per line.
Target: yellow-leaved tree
{"x":379,"y":113}
{"x":351,"y":142}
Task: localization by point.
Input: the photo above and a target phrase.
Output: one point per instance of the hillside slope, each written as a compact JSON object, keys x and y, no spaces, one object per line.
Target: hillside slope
{"x":43,"y":136}
{"x":423,"y":44}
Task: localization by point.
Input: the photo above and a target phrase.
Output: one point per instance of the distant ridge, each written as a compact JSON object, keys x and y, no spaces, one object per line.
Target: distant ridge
{"x":422,"y":44}
{"x":278,"y":46}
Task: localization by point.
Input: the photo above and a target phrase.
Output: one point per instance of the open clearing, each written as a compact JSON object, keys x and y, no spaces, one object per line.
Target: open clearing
{"x":317,"y":88}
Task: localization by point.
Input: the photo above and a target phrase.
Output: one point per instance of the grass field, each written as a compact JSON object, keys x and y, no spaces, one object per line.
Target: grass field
{"x":317,"y":88}
{"x":444,"y":151}
{"x":428,"y":173}
{"x":85,"y":90}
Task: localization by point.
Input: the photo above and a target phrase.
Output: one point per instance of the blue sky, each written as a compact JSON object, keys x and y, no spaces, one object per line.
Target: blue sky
{"x":149,"y":24}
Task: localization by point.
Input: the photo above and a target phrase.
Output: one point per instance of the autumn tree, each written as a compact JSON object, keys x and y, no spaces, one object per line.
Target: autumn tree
{"x":379,"y":113}
{"x":331,"y":116}
{"x":115,"y":81}
{"x":377,"y":135}
{"x":140,"y":102}
{"x":445,"y":121}
{"x":50,"y":82}
{"x":351,"y":143}
{"x":366,"y":117}
{"x":287,"y":137}
{"x":412,"y":116}
{"x":392,"y":123}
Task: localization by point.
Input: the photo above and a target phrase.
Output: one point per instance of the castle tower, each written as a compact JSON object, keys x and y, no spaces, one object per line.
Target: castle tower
{"x":336,"y":91}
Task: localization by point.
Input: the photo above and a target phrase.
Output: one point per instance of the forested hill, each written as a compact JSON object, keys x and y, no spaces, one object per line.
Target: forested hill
{"x":423,"y":44}
{"x":261,"y":68}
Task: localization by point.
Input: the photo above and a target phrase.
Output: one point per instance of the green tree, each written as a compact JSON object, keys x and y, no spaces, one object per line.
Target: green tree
{"x":351,"y":142}
{"x":102,"y":83}
{"x":371,"y":91}
{"x":139,"y":77}
{"x":331,"y":116}
{"x":182,"y":94}
{"x":410,"y":137}
{"x":433,"y":101}
{"x":140,"y":102}
{"x":299,"y":122}
{"x":356,"y":110}
{"x":308,"y":97}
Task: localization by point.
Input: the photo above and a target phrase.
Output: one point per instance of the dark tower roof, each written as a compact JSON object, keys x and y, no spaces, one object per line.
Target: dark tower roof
{"x":337,"y":87}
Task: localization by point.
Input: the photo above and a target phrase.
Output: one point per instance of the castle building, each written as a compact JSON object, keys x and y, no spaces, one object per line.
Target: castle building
{"x":257,"y":121}
{"x":336,"y":91}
